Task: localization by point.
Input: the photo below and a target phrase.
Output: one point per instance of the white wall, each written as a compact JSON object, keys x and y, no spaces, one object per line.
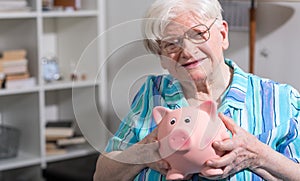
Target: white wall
{"x":277,"y":44}
{"x":277,"y":49}
{"x":128,"y":61}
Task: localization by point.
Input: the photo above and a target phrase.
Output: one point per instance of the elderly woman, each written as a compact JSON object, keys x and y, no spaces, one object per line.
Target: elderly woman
{"x":190,"y":36}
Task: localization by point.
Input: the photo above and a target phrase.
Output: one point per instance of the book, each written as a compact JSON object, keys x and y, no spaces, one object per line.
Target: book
{"x":59,"y":129}
{"x":21,"y":83}
{"x":74,"y":4}
{"x":70,"y":141}
{"x":16,"y":66}
{"x":15,"y":62}
{"x":14,"y":54}
{"x":13,"y":6}
{"x":58,"y":133}
{"x":14,"y":70}
{"x":52,"y":149}
{"x":60,"y":124}
{"x":17,"y":76}
{"x":13,"y":3}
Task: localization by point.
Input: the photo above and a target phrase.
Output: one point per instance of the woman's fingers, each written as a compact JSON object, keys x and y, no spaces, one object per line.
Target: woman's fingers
{"x":224,"y":146}
{"x":229,"y":123}
{"x":222,"y":161}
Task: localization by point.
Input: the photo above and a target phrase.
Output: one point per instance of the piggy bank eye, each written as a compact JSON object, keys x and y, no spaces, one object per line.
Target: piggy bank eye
{"x":187,"y":120}
{"x":173,"y":121}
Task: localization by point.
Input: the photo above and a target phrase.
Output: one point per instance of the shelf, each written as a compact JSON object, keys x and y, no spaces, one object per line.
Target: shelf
{"x":74,"y":151}
{"x":59,"y":85}
{"x":80,"y":13}
{"x":5,"y":92}
{"x":17,"y":15}
{"x":68,"y":36}
{"x":22,"y":160}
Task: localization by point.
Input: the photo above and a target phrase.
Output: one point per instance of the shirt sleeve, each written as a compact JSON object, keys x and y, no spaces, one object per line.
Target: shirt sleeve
{"x":132,"y":126}
{"x":285,"y":138}
{"x":294,"y":145}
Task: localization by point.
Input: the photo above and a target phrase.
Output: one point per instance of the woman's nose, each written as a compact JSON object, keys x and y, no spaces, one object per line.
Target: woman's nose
{"x":188,"y":49}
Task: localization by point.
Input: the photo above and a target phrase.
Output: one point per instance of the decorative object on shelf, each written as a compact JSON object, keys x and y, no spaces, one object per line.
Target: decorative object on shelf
{"x":9,"y":140}
{"x":83,"y":76}
{"x":73,"y":73}
{"x":68,"y":5}
{"x":47,"y":5}
{"x":50,"y":69}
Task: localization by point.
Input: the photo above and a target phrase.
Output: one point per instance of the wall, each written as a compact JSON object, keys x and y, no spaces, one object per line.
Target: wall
{"x":277,"y":49}
{"x":128,"y":62}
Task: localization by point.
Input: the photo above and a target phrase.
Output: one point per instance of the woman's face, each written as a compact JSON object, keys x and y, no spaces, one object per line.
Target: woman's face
{"x":193,"y":60}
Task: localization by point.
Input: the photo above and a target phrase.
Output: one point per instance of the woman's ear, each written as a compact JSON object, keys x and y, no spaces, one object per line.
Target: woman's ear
{"x":224,"y":33}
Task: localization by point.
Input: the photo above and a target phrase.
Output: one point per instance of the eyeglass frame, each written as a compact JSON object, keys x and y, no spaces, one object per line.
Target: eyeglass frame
{"x":186,"y":36}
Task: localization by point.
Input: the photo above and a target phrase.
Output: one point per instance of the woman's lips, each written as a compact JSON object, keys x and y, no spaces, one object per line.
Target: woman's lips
{"x":193,"y":64}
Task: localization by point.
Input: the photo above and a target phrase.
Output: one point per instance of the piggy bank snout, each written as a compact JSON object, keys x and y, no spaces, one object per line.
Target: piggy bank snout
{"x":179,"y":140}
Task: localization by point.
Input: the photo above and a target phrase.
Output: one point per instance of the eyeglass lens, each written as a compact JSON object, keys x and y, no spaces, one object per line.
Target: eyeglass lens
{"x":197,"y":34}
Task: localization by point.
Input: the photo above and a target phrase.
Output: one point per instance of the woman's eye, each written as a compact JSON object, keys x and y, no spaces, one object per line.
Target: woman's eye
{"x":170,"y":45}
{"x":197,"y":35}
{"x":173,"y":121}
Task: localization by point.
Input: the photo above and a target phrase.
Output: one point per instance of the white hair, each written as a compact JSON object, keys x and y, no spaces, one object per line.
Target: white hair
{"x":162,"y":12}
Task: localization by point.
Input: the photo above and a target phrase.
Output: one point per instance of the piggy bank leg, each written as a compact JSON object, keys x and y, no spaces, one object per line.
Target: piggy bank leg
{"x":174,"y":174}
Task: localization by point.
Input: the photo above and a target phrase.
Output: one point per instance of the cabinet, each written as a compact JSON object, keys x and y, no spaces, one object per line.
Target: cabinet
{"x":72,"y":37}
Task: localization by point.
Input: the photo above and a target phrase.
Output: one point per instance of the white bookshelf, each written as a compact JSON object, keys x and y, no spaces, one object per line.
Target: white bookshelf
{"x":66,"y":35}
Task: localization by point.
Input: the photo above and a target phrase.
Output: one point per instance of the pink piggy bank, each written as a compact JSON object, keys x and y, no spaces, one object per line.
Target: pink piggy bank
{"x":186,"y":136}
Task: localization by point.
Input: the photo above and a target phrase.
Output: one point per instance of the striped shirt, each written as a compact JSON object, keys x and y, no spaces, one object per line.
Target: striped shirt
{"x":266,"y":109}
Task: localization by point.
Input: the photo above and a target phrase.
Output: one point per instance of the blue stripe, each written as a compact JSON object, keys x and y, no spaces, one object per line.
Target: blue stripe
{"x":291,"y":135}
{"x":267,"y":109}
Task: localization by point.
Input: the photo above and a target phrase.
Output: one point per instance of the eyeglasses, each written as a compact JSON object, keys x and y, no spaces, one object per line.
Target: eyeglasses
{"x":197,"y":34}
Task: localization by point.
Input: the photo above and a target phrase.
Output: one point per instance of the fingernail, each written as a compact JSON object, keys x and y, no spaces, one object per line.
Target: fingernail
{"x":216,"y":143}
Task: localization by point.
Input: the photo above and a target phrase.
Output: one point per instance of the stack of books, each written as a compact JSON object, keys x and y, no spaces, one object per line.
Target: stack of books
{"x":13,"y":6}
{"x":61,"y":135}
{"x":14,"y":65}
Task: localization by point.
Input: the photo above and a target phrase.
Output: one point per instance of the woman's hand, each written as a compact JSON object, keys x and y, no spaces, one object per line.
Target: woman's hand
{"x":126,"y":164}
{"x":152,"y":158}
{"x":242,"y":151}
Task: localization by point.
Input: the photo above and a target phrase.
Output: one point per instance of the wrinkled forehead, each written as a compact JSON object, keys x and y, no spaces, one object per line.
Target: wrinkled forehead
{"x":183,"y":22}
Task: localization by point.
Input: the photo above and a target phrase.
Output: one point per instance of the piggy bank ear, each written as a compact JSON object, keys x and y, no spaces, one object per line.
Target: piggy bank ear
{"x":213,"y":125}
{"x":159,"y":112}
{"x":210,"y":108}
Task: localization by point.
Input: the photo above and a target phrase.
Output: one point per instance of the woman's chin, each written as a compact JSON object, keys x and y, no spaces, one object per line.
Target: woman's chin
{"x":198,"y":75}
